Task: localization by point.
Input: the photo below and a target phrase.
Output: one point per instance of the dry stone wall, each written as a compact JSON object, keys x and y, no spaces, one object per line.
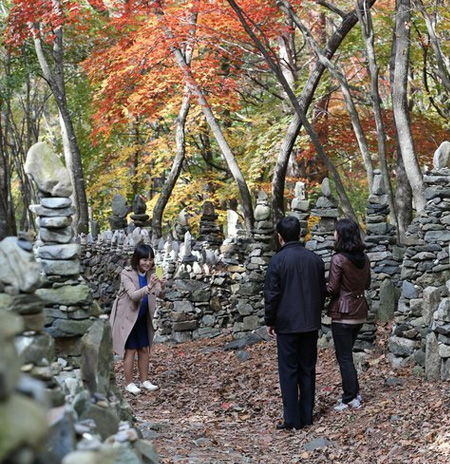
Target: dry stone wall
{"x":421,"y":333}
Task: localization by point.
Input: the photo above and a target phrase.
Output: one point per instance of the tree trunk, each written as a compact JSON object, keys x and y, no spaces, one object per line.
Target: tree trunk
{"x":400,"y":102}
{"x":56,"y":82}
{"x":403,"y":199}
{"x":176,"y":168}
{"x":365,"y":20}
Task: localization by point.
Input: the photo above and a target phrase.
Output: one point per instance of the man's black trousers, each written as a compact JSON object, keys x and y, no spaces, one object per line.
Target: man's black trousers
{"x":297,"y":356}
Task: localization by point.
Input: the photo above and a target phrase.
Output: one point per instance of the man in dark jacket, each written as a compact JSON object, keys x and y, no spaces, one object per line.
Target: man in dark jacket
{"x":294,"y":294}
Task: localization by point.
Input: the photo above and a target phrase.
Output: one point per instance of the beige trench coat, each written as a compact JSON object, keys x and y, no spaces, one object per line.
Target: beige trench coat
{"x":125,"y":309}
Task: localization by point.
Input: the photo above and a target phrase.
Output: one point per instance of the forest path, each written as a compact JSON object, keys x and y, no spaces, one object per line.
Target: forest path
{"x":217,"y":406}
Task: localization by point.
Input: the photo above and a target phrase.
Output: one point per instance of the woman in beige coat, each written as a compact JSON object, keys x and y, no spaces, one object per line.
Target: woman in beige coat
{"x":132,"y":316}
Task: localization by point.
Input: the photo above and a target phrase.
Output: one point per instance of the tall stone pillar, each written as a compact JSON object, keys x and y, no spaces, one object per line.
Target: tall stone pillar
{"x":68,"y":302}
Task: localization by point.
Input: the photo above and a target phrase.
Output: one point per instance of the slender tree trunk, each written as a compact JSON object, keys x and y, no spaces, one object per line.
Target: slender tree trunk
{"x":56,"y":82}
{"x":365,"y":20}
{"x":400,"y":102}
{"x":403,"y":197}
{"x":176,"y":168}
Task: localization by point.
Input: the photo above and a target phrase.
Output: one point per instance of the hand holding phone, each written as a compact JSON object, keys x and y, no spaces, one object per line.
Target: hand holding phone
{"x":159,"y":272}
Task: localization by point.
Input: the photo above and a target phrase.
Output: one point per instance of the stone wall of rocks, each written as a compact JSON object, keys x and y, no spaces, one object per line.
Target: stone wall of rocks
{"x":421,"y":332}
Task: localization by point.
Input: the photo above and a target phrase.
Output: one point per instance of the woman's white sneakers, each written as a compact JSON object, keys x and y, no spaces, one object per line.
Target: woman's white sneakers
{"x":135,"y":390}
{"x":149,"y":386}
{"x":354,"y":403}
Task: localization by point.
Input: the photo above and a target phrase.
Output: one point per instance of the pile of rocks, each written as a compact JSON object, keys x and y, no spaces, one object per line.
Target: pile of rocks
{"x":300,"y":208}
{"x":321,"y":242}
{"x":69,"y":307}
{"x":425,"y":271}
{"x":139,"y":217}
{"x":247,"y":303}
{"x":385,"y":257}
{"x":209,"y":229}
{"x":322,"y":234}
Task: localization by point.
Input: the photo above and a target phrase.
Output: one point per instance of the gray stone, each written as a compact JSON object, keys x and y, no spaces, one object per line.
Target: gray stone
{"x":18,"y":267}
{"x":61,"y":267}
{"x":57,"y":222}
{"x":443,"y":312}
{"x":431,"y":300}
{"x":388,"y":301}
{"x":61,"y":438}
{"x":262,"y":212}
{"x":326,"y":187}
{"x":444,"y":351}
{"x":317,"y":443}
{"x":32,"y":350}
{"x":59,"y":252}
{"x":47,"y":171}
{"x":409,"y":290}
{"x":68,"y":328}
{"x":119,"y":206}
{"x":441,"y":156}
{"x":432,"y":358}
{"x":251,"y":323}
{"x":400,"y":346}
{"x":438,"y":236}
{"x":23,"y":303}
{"x":106,"y":421}
{"x":50,"y":212}
{"x":97,"y":357}
{"x":56,"y":235}
{"x":68,"y":295}
{"x":185,"y":325}
{"x":23,"y":425}
{"x":56,"y":202}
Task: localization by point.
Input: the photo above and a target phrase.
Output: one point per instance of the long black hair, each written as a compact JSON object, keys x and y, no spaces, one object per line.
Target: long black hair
{"x":348,"y":238}
{"x":141,"y":251}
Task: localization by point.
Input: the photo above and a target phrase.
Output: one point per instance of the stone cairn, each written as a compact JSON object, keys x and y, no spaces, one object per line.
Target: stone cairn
{"x":421,"y":334}
{"x":209,"y":229}
{"x":247,"y":303}
{"x":139,"y":216}
{"x":385,"y":256}
{"x":120,"y":210}
{"x":321,"y":241}
{"x":69,"y":307}
{"x":300,"y":208}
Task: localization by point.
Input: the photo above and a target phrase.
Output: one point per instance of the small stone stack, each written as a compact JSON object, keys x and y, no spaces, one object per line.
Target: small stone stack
{"x":139,"y":216}
{"x":300,"y":208}
{"x":425,"y":268}
{"x":68,"y":302}
{"x":322,"y":234}
{"x":384,"y":258}
{"x":209,"y":229}
{"x":120,"y":210}
{"x":247,"y":302}
{"x":383,"y":253}
{"x":321,"y":241}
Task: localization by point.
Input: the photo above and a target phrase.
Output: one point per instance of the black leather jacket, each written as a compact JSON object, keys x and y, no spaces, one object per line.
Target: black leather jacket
{"x":346,"y":285}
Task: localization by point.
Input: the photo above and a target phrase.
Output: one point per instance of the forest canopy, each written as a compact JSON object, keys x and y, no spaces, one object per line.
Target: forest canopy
{"x":186,"y":101}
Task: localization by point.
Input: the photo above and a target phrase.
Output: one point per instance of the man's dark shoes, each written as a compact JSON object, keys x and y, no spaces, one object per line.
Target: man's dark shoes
{"x":284,"y":426}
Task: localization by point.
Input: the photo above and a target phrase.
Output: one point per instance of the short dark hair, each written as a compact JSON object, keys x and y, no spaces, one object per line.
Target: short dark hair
{"x":141,"y":251}
{"x":348,"y":236}
{"x":289,"y":229}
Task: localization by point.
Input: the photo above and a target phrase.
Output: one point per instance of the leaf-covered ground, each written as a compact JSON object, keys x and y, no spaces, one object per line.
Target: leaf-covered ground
{"x":217,"y":406}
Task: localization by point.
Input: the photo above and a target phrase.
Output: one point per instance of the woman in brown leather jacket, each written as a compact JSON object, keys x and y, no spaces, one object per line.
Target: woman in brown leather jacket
{"x":349,"y":278}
